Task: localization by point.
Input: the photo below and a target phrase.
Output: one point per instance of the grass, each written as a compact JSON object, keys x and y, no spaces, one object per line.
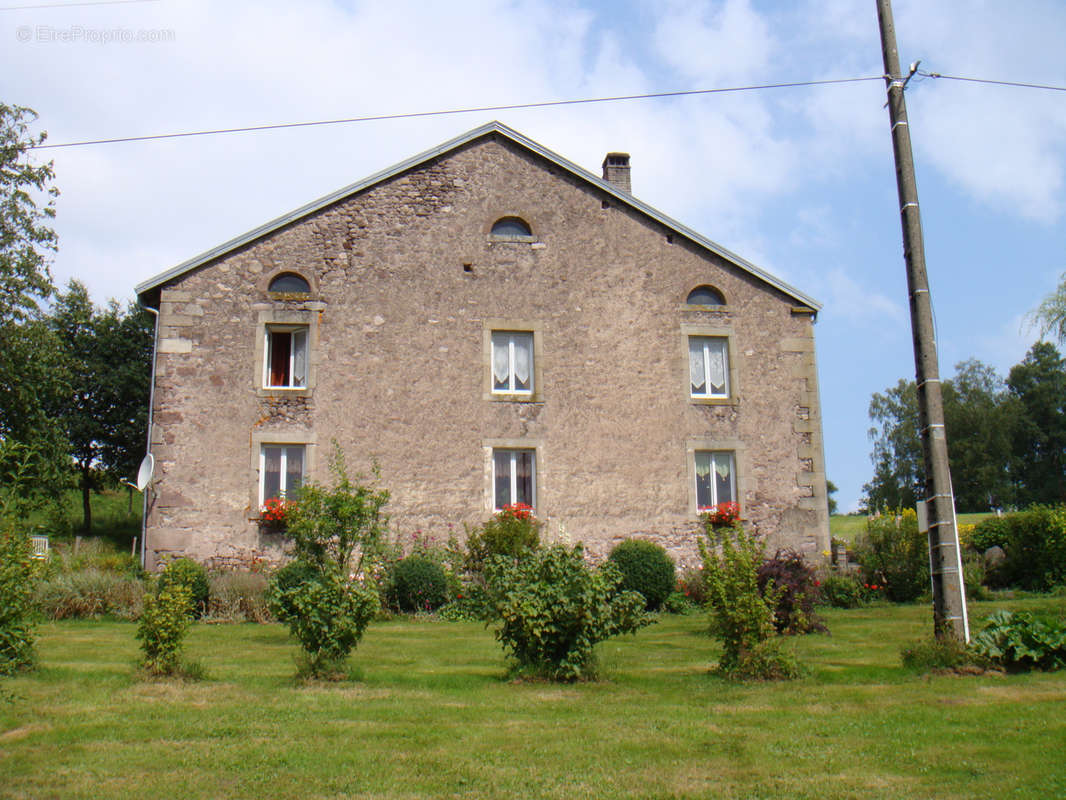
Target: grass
{"x":848,"y":526}
{"x":114,"y":517}
{"x":430,"y":715}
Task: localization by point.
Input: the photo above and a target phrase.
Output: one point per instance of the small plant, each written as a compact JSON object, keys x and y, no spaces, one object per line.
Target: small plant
{"x":691,"y":584}
{"x":677,"y":603}
{"x":842,"y":590}
{"x":645,"y":568}
{"x":794,"y":583}
{"x":418,"y":584}
{"x":164,"y":623}
{"x":16,"y":586}
{"x":742,"y":616}
{"x":553,"y":609}
{"x":1019,"y":642}
{"x":192,"y":575}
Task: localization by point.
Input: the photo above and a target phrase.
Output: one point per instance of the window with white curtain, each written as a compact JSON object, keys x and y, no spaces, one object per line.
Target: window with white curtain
{"x":708,"y":362}
{"x":512,"y":362}
{"x":281,"y":471}
{"x":716,"y":480}
{"x":514,"y":478}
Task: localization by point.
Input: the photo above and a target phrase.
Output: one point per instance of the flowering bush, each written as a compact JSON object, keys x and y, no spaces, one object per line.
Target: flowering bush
{"x":721,"y":515}
{"x":516,"y":510}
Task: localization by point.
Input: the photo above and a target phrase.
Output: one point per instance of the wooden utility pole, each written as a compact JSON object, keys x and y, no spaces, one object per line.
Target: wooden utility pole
{"x":945,"y":565}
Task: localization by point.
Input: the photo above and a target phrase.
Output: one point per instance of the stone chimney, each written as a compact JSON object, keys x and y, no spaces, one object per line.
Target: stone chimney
{"x":616,"y":171}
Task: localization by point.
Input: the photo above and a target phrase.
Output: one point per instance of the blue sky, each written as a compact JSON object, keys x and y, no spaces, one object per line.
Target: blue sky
{"x":800,"y":181}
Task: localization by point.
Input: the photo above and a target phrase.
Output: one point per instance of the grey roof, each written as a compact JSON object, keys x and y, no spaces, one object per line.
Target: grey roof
{"x":490,"y":128}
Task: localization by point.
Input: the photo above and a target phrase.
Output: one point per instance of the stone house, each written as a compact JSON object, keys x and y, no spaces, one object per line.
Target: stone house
{"x":489,"y":323}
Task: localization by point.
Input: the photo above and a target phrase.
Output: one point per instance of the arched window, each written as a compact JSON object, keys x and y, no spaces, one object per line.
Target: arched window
{"x":291,"y":283}
{"x":510,"y":227}
{"x":705,"y":296}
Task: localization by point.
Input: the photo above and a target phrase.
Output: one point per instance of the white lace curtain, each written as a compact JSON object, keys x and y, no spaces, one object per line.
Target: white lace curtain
{"x":707,"y":363}
{"x":512,"y":354}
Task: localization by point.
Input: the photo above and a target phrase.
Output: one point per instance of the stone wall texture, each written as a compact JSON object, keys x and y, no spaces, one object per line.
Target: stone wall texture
{"x":406,"y":279}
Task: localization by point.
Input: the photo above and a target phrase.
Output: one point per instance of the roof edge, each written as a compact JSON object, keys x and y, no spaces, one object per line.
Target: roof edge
{"x":494,"y":127}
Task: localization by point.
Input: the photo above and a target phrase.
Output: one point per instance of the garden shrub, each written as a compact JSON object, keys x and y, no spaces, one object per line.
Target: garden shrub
{"x":645,"y":568}
{"x":894,"y":555}
{"x":691,"y":584}
{"x":88,"y":593}
{"x":338,"y":534}
{"x":418,"y":584}
{"x":192,"y":575}
{"x":794,"y":583}
{"x":1020,"y":642}
{"x":164,"y":623}
{"x":842,"y":590}
{"x":238,"y":596}
{"x":328,"y":615}
{"x":553,"y":609}
{"x":677,"y":603}
{"x":742,"y":616}
{"x":16,"y":585}
{"x":1034,"y":542}
{"x":511,"y":533}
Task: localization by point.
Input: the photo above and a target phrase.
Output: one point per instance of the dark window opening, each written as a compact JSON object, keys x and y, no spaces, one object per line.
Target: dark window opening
{"x":511,"y":226}
{"x":705,"y":296}
{"x":290,"y":282}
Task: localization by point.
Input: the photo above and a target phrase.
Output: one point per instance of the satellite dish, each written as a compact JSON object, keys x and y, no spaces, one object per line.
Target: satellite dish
{"x":144,"y":474}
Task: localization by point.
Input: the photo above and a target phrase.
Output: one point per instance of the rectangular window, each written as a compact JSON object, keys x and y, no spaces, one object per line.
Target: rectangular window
{"x":285,"y":366}
{"x":281,"y":471}
{"x":512,"y":362}
{"x":514,"y":478}
{"x":715,"y":478}
{"x":708,"y":361}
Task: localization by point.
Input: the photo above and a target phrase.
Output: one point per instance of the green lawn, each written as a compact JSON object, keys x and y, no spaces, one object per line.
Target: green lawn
{"x":848,"y":526}
{"x":431,"y":716}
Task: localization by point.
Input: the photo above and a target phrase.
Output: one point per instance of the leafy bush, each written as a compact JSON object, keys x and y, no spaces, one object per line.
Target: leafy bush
{"x":16,"y":628}
{"x":164,"y":623}
{"x":645,"y":568}
{"x":511,"y":533}
{"x":767,"y":660}
{"x":842,"y":590}
{"x":1020,"y":641}
{"x":742,"y":616}
{"x":691,"y":584}
{"x":89,"y":593}
{"x":677,"y":603}
{"x":327,"y":615}
{"x":190,"y":574}
{"x":1034,"y":541}
{"x":894,"y":555}
{"x":794,"y":583}
{"x":238,"y":596}
{"x":289,"y":577}
{"x":338,"y":536}
{"x":418,"y":584}
{"x":553,"y":609}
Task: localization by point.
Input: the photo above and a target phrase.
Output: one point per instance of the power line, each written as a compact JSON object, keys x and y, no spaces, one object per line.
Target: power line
{"x":73,"y":5}
{"x":478,"y":109}
{"x":996,"y":83}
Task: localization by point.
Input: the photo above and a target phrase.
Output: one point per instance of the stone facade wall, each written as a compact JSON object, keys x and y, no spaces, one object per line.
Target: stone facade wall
{"x":406,"y":281}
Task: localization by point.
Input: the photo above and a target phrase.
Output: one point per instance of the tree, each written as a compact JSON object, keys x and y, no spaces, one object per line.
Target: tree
{"x":980,"y":419}
{"x":1050,"y":315}
{"x":897,"y":456}
{"x":31,"y":441}
{"x":1039,"y":463}
{"x":25,"y":234}
{"x":831,"y":489}
{"x":107,"y":357}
